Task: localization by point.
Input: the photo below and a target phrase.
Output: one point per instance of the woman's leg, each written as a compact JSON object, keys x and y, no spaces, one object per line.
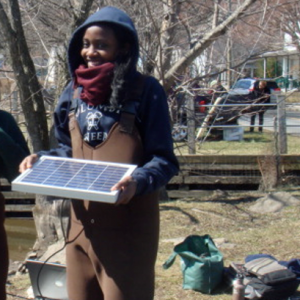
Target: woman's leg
{"x":82,"y":283}
{"x":252,"y":122}
{"x":261,"y":121}
{"x":118,"y":246}
{"x":125,"y":256}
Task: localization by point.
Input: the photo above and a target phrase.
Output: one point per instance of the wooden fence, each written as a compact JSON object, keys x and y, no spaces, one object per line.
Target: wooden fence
{"x":16,"y":202}
{"x":203,"y":172}
{"x":207,"y":172}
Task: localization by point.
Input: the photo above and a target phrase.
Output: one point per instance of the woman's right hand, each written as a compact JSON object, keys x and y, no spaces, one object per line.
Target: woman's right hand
{"x":28,"y":162}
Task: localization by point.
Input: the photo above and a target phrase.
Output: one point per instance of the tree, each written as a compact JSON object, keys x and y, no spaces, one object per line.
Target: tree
{"x":30,"y":90}
{"x":204,"y":43}
{"x":287,"y":20}
{"x":55,"y":21}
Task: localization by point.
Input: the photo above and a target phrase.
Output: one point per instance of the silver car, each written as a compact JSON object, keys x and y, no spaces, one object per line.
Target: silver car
{"x":245,"y":86}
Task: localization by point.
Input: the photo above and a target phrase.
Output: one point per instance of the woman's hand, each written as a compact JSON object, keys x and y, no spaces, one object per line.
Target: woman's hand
{"x":28,"y":162}
{"x":127,"y":187}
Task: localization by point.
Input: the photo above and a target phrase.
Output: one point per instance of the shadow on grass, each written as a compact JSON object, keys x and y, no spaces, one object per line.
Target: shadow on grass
{"x":242,"y":200}
{"x":174,"y":208}
{"x":232,"y":202}
{"x":235,"y":201}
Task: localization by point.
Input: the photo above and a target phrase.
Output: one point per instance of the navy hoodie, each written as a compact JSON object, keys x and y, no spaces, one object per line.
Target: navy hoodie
{"x":152,"y":119}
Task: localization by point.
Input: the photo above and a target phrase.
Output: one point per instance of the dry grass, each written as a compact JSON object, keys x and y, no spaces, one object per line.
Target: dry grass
{"x":18,"y":285}
{"x":252,"y":144}
{"x":220,"y":215}
{"x":292,"y":97}
{"x":226,"y":217}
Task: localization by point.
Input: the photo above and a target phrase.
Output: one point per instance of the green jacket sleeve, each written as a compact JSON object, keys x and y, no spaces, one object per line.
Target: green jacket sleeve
{"x":13,"y":147}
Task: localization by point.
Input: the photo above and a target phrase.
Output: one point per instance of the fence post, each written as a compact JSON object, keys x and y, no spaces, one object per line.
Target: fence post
{"x":191,"y":127}
{"x":281,"y":119}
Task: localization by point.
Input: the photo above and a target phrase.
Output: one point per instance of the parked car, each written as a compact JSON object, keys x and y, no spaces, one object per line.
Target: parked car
{"x":244,"y":87}
{"x":229,"y":108}
{"x":240,"y":99}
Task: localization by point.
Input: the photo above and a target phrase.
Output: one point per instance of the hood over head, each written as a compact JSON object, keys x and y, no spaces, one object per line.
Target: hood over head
{"x":105,"y":15}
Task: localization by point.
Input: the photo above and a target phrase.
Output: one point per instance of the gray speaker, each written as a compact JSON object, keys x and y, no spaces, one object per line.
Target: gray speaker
{"x":48,"y":280}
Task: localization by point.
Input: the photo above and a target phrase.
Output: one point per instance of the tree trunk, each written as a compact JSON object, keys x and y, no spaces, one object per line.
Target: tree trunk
{"x":32,"y":102}
{"x":168,"y":28}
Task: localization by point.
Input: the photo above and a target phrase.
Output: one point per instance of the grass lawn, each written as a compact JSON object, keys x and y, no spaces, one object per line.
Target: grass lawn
{"x":224,"y":216}
{"x":253,"y":143}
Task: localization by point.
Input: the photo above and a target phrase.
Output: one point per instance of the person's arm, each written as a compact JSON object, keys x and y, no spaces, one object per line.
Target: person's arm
{"x":267,"y":95}
{"x":13,"y":146}
{"x":160,"y":163}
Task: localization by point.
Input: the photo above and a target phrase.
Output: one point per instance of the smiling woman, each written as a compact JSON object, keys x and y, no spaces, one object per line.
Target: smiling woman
{"x":118,"y":115}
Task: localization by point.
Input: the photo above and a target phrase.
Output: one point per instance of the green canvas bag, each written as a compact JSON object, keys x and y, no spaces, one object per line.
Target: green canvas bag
{"x":201,"y":263}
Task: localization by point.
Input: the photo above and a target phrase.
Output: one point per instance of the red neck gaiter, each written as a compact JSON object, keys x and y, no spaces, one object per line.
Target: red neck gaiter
{"x":95,"y":83}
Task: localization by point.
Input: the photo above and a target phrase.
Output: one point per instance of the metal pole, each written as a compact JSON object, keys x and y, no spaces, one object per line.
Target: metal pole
{"x":229,"y":51}
{"x":191,"y":124}
{"x":281,"y":119}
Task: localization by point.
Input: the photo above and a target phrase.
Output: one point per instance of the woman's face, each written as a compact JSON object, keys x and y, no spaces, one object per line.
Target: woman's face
{"x":99,"y":46}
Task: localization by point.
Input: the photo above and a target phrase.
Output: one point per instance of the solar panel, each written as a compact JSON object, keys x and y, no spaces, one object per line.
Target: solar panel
{"x":73,"y":178}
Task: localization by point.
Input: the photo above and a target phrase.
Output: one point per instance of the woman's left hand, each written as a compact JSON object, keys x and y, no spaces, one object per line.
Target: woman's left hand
{"x":127,"y":187}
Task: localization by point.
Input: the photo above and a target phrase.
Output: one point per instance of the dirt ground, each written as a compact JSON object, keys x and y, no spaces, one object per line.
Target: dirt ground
{"x":229,"y":220}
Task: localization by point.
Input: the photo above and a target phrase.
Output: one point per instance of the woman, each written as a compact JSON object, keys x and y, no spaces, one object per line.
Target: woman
{"x":111,"y":112}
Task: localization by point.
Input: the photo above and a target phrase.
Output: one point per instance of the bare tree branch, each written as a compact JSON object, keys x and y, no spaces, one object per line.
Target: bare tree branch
{"x":205,"y":42}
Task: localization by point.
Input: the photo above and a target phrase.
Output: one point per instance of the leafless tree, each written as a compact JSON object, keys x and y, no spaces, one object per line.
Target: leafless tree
{"x":286,"y":19}
{"x":30,"y":92}
{"x":49,"y":26}
{"x":14,"y":17}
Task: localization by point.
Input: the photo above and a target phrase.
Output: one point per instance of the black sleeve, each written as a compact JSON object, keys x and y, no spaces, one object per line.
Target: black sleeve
{"x":160,"y":163}
{"x":13,"y":147}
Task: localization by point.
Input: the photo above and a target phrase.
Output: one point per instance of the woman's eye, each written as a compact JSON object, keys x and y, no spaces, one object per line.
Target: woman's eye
{"x":101,"y":46}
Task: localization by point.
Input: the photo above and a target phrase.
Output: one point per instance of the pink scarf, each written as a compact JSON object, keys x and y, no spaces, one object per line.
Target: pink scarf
{"x":96,"y":83}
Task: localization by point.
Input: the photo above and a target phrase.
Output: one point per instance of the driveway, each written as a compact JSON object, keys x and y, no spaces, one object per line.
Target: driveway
{"x":292,"y":120}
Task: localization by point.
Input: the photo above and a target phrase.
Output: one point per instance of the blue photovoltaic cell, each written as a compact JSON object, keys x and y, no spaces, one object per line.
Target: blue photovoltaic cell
{"x":75,"y":175}
{"x":73,"y":178}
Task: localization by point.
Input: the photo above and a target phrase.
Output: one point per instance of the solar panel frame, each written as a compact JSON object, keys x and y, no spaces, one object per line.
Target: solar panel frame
{"x":73,"y":178}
